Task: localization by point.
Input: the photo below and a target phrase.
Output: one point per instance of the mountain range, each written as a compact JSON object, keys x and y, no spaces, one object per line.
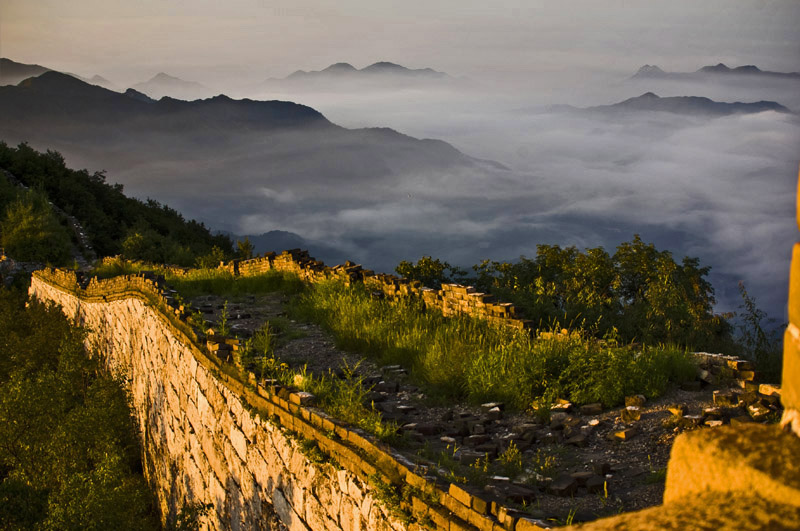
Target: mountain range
{"x":12,"y":72}
{"x":691,"y":105}
{"x":712,"y":71}
{"x":163,"y":84}
{"x":382,"y":74}
{"x":379,"y":68}
{"x":214,"y":147}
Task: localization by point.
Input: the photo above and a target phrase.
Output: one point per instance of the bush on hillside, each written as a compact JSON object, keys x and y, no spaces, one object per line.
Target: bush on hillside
{"x":69,"y":458}
{"x":30,"y":231}
{"x":641,"y":293}
{"x":108,"y":216}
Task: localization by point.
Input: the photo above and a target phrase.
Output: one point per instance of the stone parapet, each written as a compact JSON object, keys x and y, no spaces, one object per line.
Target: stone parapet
{"x":213,"y":435}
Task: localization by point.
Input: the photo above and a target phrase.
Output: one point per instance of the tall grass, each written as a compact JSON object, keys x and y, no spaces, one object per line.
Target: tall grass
{"x":460,"y":357}
{"x":207,"y":281}
{"x":224,"y":283}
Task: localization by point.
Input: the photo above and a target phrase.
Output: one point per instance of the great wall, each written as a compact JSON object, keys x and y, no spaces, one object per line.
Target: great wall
{"x":240,"y":445}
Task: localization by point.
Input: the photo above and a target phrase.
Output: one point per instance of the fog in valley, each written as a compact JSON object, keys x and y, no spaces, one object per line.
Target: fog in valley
{"x":720,"y":188}
{"x":538,"y":166}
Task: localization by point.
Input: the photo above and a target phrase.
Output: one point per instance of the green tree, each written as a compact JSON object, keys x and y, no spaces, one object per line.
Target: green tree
{"x":210,"y":260}
{"x":639,"y":291}
{"x":68,"y":451}
{"x":244,"y":249}
{"x":31,"y":231}
{"x":430,"y":272}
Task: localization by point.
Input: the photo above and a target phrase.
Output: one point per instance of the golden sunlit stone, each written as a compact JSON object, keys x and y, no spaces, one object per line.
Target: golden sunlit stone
{"x":794,"y":286}
{"x":753,"y":458}
{"x":707,"y":511}
{"x":790,"y":389}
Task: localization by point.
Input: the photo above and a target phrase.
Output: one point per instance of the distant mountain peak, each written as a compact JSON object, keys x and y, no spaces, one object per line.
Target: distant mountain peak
{"x":719,"y":67}
{"x":650,"y":69}
{"x":162,"y":76}
{"x":648,"y":96}
{"x":136,"y":95}
{"x":343,"y":70}
{"x":340,"y":67}
{"x":381,"y":65}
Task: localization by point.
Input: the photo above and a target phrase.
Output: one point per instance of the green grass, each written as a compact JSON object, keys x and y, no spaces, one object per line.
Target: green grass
{"x":116,"y":267}
{"x":464,"y":358}
{"x":224,"y":284}
{"x":345,"y":399}
{"x":207,"y":281}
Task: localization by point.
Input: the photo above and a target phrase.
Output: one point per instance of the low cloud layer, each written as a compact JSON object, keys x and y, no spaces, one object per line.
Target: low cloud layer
{"x":719,"y":188}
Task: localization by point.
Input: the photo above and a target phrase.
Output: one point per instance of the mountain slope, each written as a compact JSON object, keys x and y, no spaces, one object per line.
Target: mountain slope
{"x":113,"y":223}
{"x":217,"y":157}
{"x":163,"y":84}
{"x":692,"y":105}
{"x":12,"y":72}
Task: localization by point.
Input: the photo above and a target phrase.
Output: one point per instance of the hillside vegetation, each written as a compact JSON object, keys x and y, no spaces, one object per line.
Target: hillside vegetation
{"x":637,"y":295}
{"x":115,"y":224}
{"x":69,"y":457}
{"x":462,"y":357}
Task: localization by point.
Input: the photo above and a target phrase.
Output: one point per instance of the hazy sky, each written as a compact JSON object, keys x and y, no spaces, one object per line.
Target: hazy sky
{"x":242,"y":41}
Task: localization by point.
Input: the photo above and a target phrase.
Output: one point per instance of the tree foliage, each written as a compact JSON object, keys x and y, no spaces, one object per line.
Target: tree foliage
{"x":108,"y":216}
{"x":69,"y":458}
{"x":31,"y":230}
{"x":638,"y":293}
{"x":431,"y":272}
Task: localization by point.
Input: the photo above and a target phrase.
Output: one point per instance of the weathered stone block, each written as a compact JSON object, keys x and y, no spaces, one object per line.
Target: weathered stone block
{"x":563,"y":485}
{"x":591,"y":409}
{"x":790,"y":386}
{"x":631,"y":414}
{"x":745,"y":458}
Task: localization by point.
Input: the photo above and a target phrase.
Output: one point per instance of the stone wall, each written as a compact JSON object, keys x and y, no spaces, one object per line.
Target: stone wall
{"x":452,"y":299}
{"x":213,"y":435}
{"x":203,"y":441}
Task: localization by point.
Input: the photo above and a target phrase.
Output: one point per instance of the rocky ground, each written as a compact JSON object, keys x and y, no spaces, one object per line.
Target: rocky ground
{"x":576,"y":465}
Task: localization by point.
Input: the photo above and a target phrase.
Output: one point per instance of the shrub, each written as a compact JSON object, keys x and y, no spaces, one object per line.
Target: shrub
{"x":31,"y":231}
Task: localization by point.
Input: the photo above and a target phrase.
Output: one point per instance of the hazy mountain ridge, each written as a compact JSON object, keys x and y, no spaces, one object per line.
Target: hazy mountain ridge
{"x":162,"y":85}
{"x":346,"y":69}
{"x":12,"y":73}
{"x":189,"y":151}
{"x":694,"y":105}
{"x":65,"y":100}
{"x":710,"y":71}
{"x":382,"y":76}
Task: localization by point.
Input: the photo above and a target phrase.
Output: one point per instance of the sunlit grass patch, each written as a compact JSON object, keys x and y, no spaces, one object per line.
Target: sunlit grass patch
{"x":461,"y":357}
{"x":224,"y":283}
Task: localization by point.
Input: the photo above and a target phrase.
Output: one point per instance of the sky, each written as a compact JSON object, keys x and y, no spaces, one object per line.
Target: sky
{"x":244,"y":41}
